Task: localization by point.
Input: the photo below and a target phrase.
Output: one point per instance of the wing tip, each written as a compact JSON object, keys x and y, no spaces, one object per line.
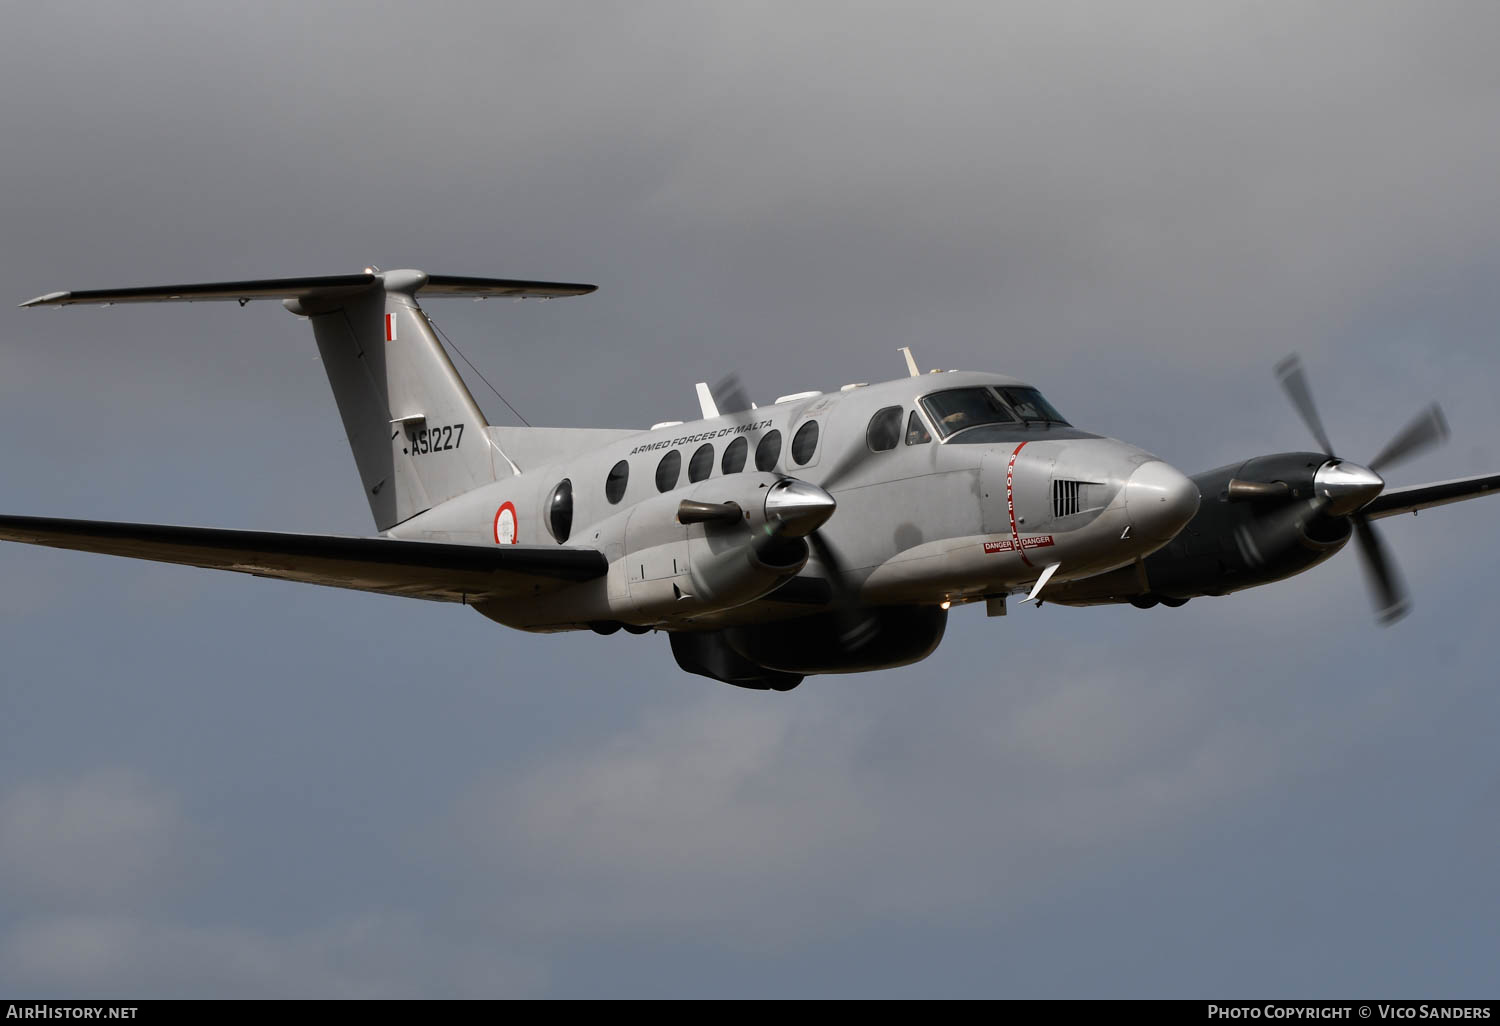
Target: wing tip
{"x":49,"y":299}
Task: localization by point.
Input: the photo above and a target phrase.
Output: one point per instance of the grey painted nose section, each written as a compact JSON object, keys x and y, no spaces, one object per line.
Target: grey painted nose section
{"x":1159,"y":501}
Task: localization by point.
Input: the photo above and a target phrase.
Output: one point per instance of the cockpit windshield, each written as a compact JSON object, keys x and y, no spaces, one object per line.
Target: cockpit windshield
{"x":959,"y":409}
{"x":1030,"y":406}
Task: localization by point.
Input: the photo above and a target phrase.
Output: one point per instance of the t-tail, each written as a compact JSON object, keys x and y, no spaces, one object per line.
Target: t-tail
{"x":417,"y":434}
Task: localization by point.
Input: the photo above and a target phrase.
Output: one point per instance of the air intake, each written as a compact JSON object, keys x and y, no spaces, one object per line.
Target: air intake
{"x":1067,"y":498}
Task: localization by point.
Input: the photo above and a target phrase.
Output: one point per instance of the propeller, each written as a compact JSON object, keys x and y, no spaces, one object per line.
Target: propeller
{"x":797,"y":509}
{"x":854,"y":625}
{"x":729,"y":394}
{"x":1428,"y":429}
{"x":1342,"y":488}
{"x":794,"y":500}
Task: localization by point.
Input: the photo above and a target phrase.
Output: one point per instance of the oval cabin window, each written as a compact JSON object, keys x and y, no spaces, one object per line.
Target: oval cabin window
{"x":734,"y":456}
{"x":805,"y":443}
{"x":668,"y":470}
{"x":614,"y":484}
{"x":768,"y":452}
{"x":702,"y":463}
{"x":884,"y":430}
{"x":560,"y":511}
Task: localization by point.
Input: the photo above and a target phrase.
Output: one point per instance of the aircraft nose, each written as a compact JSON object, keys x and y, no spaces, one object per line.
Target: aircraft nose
{"x":1159,"y":501}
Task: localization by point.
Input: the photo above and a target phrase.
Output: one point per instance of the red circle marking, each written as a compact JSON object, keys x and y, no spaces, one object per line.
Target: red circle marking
{"x":515,"y":525}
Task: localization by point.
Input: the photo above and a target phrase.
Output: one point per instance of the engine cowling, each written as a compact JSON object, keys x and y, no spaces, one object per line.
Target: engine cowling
{"x":1240,"y":538}
{"x":732,"y":566}
{"x":713,"y":547}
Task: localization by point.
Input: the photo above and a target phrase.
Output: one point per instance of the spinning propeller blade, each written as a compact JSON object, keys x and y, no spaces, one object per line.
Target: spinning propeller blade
{"x":1428,"y":429}
{"x":1386,"y":587}
{"x":1294,"y":380}
{"x":729,"y":394}
{"x":855,"y":626}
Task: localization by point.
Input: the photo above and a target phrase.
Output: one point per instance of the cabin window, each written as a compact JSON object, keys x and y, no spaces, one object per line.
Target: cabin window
{"x":916,"y":431}
{"x":768,"y":452}
{"x":884,"y":430}
{"x":702,"y":463}
{"x":805,"y":443}
{"x":668,"y":470}
{"x":560,"y":511}
{"x":614,"y":484}
{"x":734,"y":456}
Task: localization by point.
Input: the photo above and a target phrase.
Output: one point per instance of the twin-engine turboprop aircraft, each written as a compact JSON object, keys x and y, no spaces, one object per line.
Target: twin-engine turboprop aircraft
{"x":826,"y":533}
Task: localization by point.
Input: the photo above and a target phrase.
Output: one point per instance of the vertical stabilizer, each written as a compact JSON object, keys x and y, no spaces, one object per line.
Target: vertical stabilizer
{"x":418,"y":436}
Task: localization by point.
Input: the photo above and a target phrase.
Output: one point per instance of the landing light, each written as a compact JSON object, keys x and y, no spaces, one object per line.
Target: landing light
{"x":944,"y":604}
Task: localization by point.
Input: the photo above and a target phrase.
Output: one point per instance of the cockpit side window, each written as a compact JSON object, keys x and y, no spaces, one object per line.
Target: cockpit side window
{"x":959,"y":409}
{"x":916,"y":431}
{"x":1030,"y":406}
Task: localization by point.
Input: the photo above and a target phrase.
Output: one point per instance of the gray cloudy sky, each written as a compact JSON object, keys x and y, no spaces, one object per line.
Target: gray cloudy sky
{"x":212,"y":785}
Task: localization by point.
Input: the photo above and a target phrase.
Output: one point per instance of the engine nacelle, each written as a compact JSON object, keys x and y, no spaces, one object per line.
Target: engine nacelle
{"x":730,"y":567}
{"x":1240,"y":538}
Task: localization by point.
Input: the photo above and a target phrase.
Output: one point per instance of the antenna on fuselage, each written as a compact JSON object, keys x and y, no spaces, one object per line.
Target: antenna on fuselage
{"x":911,"y":363}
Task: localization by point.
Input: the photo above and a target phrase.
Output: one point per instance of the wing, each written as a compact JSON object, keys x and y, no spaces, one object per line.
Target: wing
{"x":1408,"y":500}
{"x":414,"y":569}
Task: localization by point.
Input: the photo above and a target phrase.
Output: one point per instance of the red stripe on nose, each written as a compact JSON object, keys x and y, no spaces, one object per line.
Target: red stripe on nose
{"x":1010,"y":502}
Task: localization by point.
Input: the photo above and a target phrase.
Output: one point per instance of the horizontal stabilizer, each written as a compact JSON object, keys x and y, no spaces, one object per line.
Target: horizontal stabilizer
{"x":414,"y":569}
{"x":328,"y":286}
{"x":1396,"y":501}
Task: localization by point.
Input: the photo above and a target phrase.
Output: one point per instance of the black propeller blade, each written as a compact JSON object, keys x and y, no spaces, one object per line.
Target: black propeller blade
{"x":1294,"y":380}
{"x":729,"y":394}
{"x":840,"y":470}
{"x":1428,"y":429}
{"x":1386,"y":587}
{"x":855,"y":626}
